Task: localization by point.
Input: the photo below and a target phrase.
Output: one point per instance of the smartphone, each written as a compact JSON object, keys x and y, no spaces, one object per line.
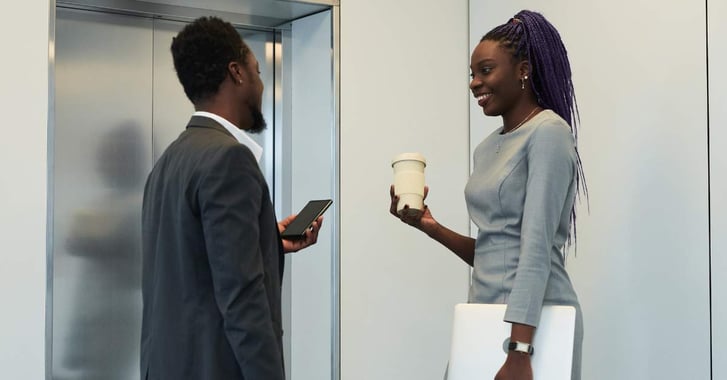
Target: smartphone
{"x":296,"y":229}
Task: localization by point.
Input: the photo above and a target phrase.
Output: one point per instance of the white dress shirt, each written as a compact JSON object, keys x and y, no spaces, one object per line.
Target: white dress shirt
{"x":237,"y":133}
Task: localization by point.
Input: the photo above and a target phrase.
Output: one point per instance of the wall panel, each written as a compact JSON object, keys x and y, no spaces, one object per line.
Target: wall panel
{"x":717,"y":38}
{"x":24,"y":101}
{"x":403,"y":88}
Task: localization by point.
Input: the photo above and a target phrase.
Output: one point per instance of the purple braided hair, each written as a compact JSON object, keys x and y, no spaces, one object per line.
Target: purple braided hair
{"x":529,"y":36}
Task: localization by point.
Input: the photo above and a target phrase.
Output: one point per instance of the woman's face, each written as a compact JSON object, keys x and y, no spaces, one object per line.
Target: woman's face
{"x":495,"y":78}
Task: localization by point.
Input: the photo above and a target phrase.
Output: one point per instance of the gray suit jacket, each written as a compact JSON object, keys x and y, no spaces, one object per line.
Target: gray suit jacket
{"x":212,"y":263}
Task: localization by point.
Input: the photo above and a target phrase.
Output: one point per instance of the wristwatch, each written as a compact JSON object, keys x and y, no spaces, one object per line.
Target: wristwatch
{"x":523,"y":348}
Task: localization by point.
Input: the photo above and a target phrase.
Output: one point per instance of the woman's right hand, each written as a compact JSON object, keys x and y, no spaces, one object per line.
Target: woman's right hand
{"x":422,"y":220}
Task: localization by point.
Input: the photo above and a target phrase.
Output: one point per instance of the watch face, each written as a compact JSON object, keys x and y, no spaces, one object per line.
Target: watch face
{"x":525,"y":348}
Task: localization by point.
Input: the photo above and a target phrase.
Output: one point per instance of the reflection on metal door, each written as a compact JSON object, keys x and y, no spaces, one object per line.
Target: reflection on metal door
{"x":118,"y":104}
{"x":102,"y":154}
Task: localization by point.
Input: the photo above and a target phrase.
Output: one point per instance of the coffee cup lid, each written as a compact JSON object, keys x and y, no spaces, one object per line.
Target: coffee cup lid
{"x":409,"y":156}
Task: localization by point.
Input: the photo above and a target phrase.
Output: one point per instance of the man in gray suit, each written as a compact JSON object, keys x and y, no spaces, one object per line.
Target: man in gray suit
{"x":212,"y":253}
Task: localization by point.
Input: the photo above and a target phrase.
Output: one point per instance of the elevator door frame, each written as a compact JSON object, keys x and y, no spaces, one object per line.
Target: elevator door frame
{"x":282,"y":199}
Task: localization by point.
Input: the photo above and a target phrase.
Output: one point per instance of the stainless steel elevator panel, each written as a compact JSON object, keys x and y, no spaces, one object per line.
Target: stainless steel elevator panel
{"x":172,"y":109}
{"x":102,"y":154}
{"x":118,"y":106}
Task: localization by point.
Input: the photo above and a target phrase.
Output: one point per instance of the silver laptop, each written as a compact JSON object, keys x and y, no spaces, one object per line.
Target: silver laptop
{"x":479,"y":342}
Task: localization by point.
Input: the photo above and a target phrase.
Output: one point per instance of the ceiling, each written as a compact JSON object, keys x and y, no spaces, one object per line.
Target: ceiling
{"x":255,"y":13}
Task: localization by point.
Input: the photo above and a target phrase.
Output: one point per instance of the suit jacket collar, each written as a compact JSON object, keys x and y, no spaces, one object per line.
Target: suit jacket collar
{"x":205,"y":122}
{"x":240,"y":136}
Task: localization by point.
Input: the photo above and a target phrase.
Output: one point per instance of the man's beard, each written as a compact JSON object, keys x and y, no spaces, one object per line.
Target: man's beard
{"x":258,"y":121}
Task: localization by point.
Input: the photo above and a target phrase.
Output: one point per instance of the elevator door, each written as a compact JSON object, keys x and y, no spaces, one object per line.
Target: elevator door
{"x":118,"y":105}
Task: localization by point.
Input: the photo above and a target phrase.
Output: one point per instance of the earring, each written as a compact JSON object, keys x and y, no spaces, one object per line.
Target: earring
{"x":522,"y":82}
{"x":240,"y":81}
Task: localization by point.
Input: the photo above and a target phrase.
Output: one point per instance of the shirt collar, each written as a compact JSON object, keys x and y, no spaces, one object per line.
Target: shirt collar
{"x":237,"y":133}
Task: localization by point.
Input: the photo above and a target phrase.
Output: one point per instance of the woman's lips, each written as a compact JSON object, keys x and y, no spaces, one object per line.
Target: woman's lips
{"x":483,"y":98}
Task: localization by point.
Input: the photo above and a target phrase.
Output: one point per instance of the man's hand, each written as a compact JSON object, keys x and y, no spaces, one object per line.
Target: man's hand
{"x":311,"y":235}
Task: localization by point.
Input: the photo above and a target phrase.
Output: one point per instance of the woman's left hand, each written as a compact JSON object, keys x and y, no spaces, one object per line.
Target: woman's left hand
{"x":516,"y":367}
{"x":311,"y":235}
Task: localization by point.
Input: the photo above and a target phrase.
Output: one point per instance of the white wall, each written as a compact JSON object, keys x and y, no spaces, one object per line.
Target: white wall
{"x":24,"y":106}
{"x":404,"y":78}
{"x":642,"y":270}
{"x":718,"y":176}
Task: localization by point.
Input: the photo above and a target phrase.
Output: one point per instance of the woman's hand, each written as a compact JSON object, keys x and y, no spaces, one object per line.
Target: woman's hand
{"x":311,"y":235}
{"x":422,"y":220}
{"x":517,"y":367}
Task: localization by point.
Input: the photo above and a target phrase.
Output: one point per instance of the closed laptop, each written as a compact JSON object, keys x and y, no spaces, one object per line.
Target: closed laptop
{"x":480,"y":337}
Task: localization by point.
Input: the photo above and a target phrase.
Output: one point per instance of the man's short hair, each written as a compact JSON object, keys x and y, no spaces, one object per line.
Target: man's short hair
{"x":202,"y":52}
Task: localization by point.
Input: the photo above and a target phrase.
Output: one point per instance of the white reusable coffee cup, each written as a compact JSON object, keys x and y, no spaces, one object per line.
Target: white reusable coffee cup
{"x":409,"y":181}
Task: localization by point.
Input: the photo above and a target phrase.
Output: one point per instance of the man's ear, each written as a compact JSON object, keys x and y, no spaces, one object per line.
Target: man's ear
{"x":235,"y":70}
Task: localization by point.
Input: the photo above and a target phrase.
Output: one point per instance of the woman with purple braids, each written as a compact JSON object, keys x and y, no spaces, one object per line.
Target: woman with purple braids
{"x":521,"y":193}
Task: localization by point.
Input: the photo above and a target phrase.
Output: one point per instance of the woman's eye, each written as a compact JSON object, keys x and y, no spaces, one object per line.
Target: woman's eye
{"x":482,"y":71}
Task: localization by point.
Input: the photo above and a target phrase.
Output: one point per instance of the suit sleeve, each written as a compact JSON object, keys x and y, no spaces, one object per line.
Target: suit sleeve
{"x":230,"y":198}
{"x":551,"y":170}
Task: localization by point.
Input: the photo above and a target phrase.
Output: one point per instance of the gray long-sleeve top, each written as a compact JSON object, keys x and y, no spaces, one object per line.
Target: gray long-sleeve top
{"x":520,"y":195}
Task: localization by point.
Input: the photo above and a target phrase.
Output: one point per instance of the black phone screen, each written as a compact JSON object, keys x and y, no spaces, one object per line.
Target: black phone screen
{"x":304,"y":219}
